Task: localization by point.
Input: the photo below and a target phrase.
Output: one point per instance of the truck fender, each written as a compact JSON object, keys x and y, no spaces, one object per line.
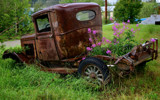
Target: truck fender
{"x":13,"y":56}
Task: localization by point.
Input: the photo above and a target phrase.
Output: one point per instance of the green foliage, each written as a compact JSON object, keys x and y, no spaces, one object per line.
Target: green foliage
{"x":148,"y":9}
{"x":124,"y":45}
{"x":17,"y":49}
{"x":14,"y":17}
{"x":100,"y":2}
{"x":127,"y":9}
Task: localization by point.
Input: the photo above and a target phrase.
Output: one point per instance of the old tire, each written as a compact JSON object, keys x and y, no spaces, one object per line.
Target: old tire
{"x":94,"y":70}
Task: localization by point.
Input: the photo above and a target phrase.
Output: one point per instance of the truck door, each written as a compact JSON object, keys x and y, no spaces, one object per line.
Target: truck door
{"x":45,"y":45}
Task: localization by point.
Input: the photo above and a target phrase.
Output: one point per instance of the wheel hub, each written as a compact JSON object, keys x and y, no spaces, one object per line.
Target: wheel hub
{"x":93,"y":75}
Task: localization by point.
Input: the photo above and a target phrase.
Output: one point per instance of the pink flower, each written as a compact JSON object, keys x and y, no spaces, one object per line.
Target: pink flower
{"x":114,"y":33}
{"x":132,"y":29}
{"x":128,"y":21}
{"x":124,"y":27}
{"x":114,"y":28}
{"x":89,"y":49}
{"x":90,"y":39}
{"x":94,"y":32}
{"x":124,"y":23}
{"x":89,"y":30}
{"x":83,"y":58}
{"x":153,"y":40}
{"x":111,"y":19}
{"x":108,"y":52}
{"x":99,"y":43}
{"x":108,"y":41}
{"x":116,"y":24}
{"x":118,"y":35}
{"x":121,"y":32}
{"x":93,"y":45}
{"x":137,"y":25}
{"x":103,"y":39}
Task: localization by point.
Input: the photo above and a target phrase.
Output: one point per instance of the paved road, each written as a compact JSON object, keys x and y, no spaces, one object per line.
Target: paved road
{"x":11,"y":43}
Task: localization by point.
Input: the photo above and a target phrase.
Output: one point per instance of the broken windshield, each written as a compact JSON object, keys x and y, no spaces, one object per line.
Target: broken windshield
{"x":43,"y":23}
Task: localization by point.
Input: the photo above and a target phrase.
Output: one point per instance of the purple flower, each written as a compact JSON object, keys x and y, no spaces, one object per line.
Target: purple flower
{"x":127,"y":28}
{"x":83,"y":58}
{"x":114,"y":28}
{"x":132,"y":29}
{"x":116,"y":24}
{"x":139,"y":29}
{"x":90,"y":39}
{"x":128,"y":21}
{"x":153,"y":40}
{"x":108,"y":52}
{"x":124,"y":23}
{"x":124,"y":27}
{"x":93,"y":45}
{"x":103,"y":39}
{"x":89,"y":30}
{"x":94,"y":32}
{"x":111,"y":19}
{"x":108,"y":41}
{"x":118,"y":35}
{"x":99,"y":43}
{"x":137,"y":25}
{"x":114,"y":33}
{"x":121,"y":32}
{"x":89,"y":48}
{"x":115,"y":40}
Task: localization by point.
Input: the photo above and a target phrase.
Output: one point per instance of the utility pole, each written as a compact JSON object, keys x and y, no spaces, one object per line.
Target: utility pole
{"x":106,"y":11}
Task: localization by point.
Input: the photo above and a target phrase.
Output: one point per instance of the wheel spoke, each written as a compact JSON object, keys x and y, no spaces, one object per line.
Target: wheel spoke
{"x":94,"y":68}
{"x":100,"y":79}
{"x":87,"y":73}
{"x":88,"y":70}
{"x":97,"y":71}
{"x":99,"y":75}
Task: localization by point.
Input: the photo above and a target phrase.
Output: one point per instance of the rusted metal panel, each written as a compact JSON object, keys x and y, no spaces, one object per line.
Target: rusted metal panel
{"x":46,"y":49}
{"x":74,"y":43}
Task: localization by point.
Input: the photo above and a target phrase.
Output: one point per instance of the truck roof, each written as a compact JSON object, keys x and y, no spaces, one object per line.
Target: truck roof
{"x":66,"y":7}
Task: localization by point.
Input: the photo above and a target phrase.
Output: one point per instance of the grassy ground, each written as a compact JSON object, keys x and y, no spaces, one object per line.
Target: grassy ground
{"x":28,"y":83}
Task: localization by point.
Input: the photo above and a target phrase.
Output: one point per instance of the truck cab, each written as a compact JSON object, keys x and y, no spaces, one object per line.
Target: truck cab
{"x":61,"y":32}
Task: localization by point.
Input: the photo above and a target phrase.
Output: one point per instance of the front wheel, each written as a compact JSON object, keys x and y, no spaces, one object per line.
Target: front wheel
{"x":94,"y":70}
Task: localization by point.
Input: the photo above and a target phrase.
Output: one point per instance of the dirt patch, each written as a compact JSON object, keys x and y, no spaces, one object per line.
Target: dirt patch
{"x":11,"y":43}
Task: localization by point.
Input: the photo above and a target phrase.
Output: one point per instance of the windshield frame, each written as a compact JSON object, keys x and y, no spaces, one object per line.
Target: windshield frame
{"x":43,"y":30}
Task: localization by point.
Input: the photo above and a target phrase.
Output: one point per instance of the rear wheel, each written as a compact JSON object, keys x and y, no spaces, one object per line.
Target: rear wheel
{"x":95,"y":71}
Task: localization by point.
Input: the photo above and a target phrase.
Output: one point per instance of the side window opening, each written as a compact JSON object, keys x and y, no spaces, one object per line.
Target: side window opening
{"x":29,"y":49}
{"x":85,"y":15}
{"x":43,"y":24}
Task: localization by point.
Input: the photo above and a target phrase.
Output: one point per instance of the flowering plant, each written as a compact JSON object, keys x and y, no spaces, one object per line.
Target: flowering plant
{"x":122,"y":43}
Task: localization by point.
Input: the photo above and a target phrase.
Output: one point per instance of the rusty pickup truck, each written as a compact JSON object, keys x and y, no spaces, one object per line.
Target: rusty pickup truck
{"x":61,"y":38}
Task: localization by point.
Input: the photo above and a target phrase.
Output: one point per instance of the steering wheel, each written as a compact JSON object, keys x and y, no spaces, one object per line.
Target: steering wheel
{"x":47,"y":25}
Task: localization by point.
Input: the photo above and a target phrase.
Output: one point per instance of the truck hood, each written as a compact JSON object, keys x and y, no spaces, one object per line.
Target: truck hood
{"x":28,"y":37}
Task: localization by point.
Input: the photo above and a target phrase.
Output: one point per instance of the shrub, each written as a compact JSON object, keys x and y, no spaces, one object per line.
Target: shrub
{"x":125,"y":10}
{"x":122,"y":43}
{"x":148,"y":9}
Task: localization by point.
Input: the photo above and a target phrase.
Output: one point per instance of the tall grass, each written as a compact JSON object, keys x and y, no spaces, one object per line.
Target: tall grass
{"x":29,"y":83}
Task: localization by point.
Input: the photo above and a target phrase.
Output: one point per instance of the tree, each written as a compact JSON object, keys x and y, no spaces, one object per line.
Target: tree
{"x":127,"y":9}
{"x":148,"y":9}
{"x":14,"y":17}
{"x":100,"y":2}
